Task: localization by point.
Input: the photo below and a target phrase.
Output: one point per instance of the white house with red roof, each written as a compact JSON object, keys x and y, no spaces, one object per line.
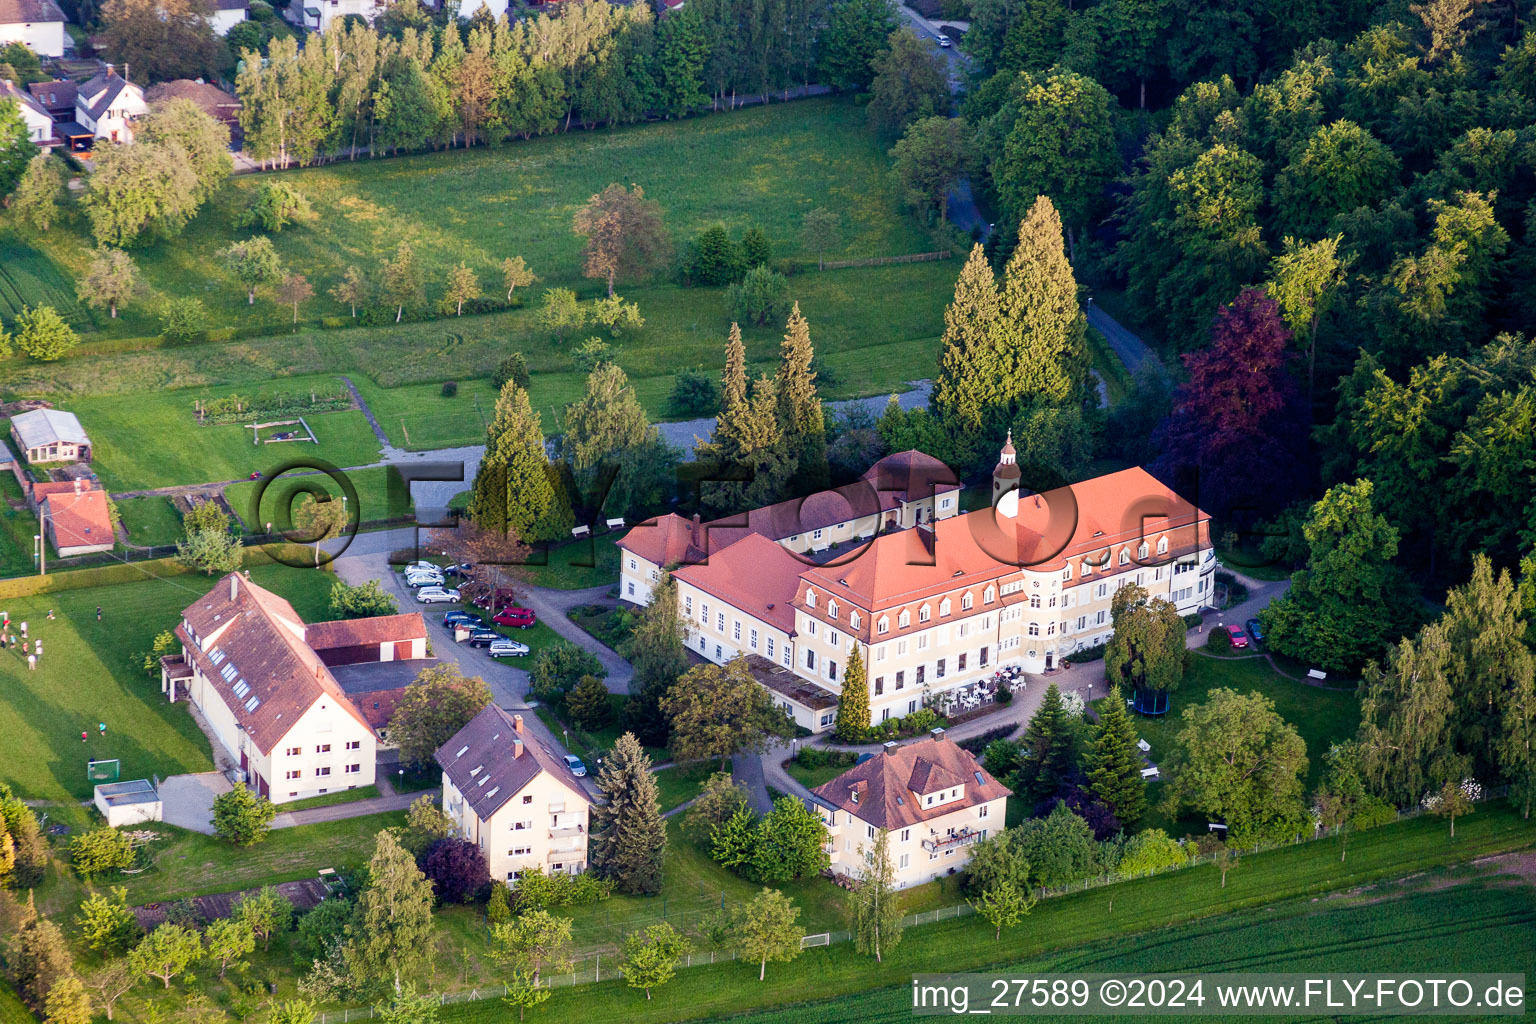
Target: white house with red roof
{"x":36,"y":24}
{"x":931,"y":798}
{"x":265,"y":685}
{"x":937,"y":601}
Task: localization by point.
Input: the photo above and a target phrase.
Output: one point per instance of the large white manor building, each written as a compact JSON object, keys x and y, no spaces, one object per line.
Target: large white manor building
{"x":938,"y":599}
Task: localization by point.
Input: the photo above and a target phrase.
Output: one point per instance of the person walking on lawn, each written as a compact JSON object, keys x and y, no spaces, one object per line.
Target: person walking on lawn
{"x":32,"y":663}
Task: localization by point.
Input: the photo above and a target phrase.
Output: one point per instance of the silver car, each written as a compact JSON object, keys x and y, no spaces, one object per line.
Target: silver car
{"x":437,"y":595}
{"x":507,"y":649}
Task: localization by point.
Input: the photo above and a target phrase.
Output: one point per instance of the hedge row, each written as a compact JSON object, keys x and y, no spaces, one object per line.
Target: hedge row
{"x":136,"y":572}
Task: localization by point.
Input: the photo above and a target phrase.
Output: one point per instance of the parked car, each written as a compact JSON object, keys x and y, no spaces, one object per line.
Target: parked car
{"x":944,"y":42}
{"x":437,"y":595}
{"x":410,"y":567}
{"x":417,"y":572}
{"x":484,"y":637}
{"x":507,"y":649}
{"x":502,"y":598}
{"x":463,"y":571}
{"x":575,"y":764}
{"x":416,"y":582}
{"x":522,"y":618}
{"x":1254,"y":630}
{"x":1239,"y":638}
{"x":462,"y":618}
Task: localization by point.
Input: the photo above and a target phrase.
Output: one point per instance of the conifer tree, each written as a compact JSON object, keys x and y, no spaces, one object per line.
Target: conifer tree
{"x":969,"y":367}
{"x":733,"y":393}
{"x":514,"y":489}
{"x":629,"y":835}
{"x":1113,"y":763}
{"x":853,"y":701}
{"x":40,"y":957}
{"x":1048,"y":749}
{"x":800,"y":413}
{"x":1042,"y":337}
{"x":750,"y":463}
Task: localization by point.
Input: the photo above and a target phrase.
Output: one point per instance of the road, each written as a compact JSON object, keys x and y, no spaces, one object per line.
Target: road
{"x":1133,"y":352}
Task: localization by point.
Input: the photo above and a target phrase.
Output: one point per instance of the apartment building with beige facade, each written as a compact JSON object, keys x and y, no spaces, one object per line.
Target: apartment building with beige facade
{"x":514,"y":798}
{"x":264,"y":683}
{"x":941,"y":605}
{"x":931,"y":798}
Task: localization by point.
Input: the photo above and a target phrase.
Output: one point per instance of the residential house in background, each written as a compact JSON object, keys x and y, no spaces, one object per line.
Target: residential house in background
{"x":108,"y":104}
{"x":937,"y":600}
{"x":227,"y":14}
{"x":317,"y":15}
{"x":931,"y":798}
{"x":76,"y":518}
{"x":210,"y":99}
{"x":514,"y":798}
{"x":50,"y":435}
{"x":40,"y":125}
{"x":36,"y":24}
{"x":265,"y":685}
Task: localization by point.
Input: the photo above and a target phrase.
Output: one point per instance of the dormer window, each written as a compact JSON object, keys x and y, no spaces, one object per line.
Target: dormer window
{"x":1162,"y":545}
{"x":1142,"y":551}
{"x":1087,"y":568}
{"x":810,"y":598}
{"x":966,"y":602}
{"x":1066,"y":574}
{"x":905,"y":620}
{"x":884,"y":625}
{"x":1125,"y":556}
{"x":854,"y":620}
{"x":832,"y":609}
{"x":944,"y":607}
{"x":989,"y":596}
{"x":924,"y":613}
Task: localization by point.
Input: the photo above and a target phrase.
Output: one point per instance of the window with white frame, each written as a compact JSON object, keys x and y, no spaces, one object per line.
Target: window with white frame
{"x":810,"y":598}
{"x":1034,"y":629}
{"x":770,"y":647}
{"x":752,"y":639}
{"x":831,"y":609}
{"x":1143,"y":550}
{"x":736,"y":630}
{"x":1125,"y":556}
{"x":720,"y":622}
{"x":1162,"y":545}
{"x":905,"y":619}
{"x":854,"y":620}
{"x":884,"y":625}
{"x":924,"y":613}
{"x":944,"y":607}
{"x":989,"y":595}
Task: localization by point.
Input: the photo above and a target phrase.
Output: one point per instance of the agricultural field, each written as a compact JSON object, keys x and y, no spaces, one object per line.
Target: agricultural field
{"x":92,"y":672}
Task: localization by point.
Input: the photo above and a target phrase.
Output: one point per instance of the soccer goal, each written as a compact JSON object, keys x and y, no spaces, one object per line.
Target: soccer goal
{"x":106,"y":770}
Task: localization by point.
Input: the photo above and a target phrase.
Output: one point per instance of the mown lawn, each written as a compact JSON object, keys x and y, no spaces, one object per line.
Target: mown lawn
{"x":92,"y":672}
{"x":17,"y":528}
{"x":1406,"y":931}
{"x":340,"y":796}
{"x":765,"y":165}
{"x":681,"y":783}
{"x":145,"y":441}
{"x":1116,"y":916}
{"x":150,"y":521}
{"x":380,"y":494}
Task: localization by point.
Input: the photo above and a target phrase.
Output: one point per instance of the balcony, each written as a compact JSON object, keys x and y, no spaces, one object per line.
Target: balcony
{"x":954,"y":839}
{"x":575,"y":853}
{"x":566,"y":832}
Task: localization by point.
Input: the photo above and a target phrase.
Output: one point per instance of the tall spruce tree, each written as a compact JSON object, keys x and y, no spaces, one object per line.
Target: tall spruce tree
{"x":750,"y":465}
{"x":853,"y":701}
{"x":629,"y":835}
{"x":1114,"y":764}
{"x":969,"y":366}
{"x":515,"y":489}
{"x":1042,"y":340}
{"x":1048,"y":753}
{"x":800,"y":413}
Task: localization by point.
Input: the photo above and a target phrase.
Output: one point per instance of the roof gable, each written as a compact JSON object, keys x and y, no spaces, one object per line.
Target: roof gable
{"x":884,"y":790}
{"x":486,"y":763}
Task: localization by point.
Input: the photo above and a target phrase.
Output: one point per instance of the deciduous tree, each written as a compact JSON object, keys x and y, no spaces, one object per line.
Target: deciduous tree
{"x":624,"y":234}
{"x":109,"y":281}
{"x":651,"y":956}
{"x":1003,"y":905}
{"x":291,"y":291}
{"x":36,"y":199}
{"x":911,"y":82}
{"x":353,"y":290}
{"x":767,"y":929}
{"x":391,"y":937}
{"x":226,"y":941}
{"x":931,"y":159}
{"x":161,"y":41}
{"x":1147,"y":649}
{"x":242,"y":817}
{"x":105,"y":922}
{"x":266,"y":912}
{"x":254,"y":263}
{"x":44,"y":335}
{"x":718,"y":711}
{"x":872,"y":902}
{"x":515,"y":274}
{"x":438,"y":703}
{"x":402,"y":280}
{"x":463,"y":286}
{"x":166,"y":952}
{"x":532,"y":943}
{"x":821,"y":229}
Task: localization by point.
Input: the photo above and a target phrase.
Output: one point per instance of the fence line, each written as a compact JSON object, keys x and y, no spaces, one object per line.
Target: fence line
{"x":596,"y":973}
{"x":882,"y":261}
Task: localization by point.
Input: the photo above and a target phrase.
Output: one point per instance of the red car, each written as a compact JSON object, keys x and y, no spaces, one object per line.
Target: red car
{"x":522,"y":618}
{"x":1239,"y":638}
{"x":502,"y":598}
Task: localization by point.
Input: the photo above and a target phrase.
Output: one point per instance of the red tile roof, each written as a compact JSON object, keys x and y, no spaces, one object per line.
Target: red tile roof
{"x":378,"y":629}
{"x":889,"y":784}
{"x":261,"y":636}
{"x":79,"y":519}
{"x":755,"y":574}
{"x":667,"y":540}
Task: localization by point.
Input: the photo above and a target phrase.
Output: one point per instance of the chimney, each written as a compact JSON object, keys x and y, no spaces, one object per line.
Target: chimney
{"x":936,"y":733}
{"x":698,"y":532}
{"x":889,"y":746}
{"x":517,"y":724}
{"x":234,"y":584}
{"x":77,"y":486}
